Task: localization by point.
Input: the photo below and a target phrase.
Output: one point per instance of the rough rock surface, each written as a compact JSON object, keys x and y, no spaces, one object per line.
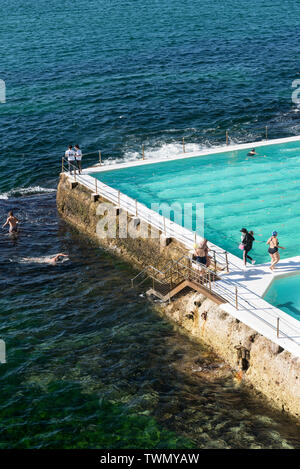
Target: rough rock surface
{"x":259,"y":362}
{"x":262,"y":364}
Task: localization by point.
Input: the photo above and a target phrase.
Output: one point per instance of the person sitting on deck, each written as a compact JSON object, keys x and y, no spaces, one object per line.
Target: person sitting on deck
{"x":70,"y":155}
{"x":201,"y":253}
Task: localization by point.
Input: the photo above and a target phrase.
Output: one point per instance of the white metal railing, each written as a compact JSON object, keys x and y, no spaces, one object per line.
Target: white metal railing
{"x":135,"y":208}
{"x":225,"y":287}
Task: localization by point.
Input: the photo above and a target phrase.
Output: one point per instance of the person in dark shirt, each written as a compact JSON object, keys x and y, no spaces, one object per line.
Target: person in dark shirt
{"x":247,"y":241}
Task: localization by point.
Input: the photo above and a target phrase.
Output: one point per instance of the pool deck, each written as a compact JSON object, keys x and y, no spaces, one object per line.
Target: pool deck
{"x":251,"y":283}
{"x":253,"y":310}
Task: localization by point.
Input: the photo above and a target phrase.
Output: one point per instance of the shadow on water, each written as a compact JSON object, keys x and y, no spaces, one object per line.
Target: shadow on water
{"x":91,"y":364}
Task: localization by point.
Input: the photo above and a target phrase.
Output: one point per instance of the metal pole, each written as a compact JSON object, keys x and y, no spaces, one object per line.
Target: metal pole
{"x":100,"y":158}
{"x":165,"y":226}
{"x":74,"y":173}
{"x":226,"y":257}
{"x":277,"y":328}
{"x":209,"y":281}
{"x":183,"y":145}
{"x":62,"y":164}
{"x":266,"y":132}
{"x":236,"y":298}
{"x":96,"y":185}
{"x":119,"y":198}
{"x":195,"y":237}
{"x":136,"y":212}
{"x":215,"y":261}
{"x":227,"y":138}
{"x":143,"y":152}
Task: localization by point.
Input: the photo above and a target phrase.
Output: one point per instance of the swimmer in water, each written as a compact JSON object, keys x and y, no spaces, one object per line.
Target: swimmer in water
{"x":45,"y":260}
{"x":253,"y":154}
{"x":12,"y":221}
{"x":57,"y":258}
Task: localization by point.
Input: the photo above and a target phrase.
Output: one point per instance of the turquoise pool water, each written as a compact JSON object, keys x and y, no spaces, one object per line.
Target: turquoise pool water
{"x":260,"y":193}
{"x":284,"y":293}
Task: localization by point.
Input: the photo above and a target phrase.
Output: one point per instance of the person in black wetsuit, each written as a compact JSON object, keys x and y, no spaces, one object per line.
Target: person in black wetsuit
{"x":247,"y":241}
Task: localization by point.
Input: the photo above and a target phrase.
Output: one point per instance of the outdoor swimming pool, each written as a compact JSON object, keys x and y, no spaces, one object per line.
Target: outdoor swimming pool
{"x":284,"y":293}
{"x":260,"y":193}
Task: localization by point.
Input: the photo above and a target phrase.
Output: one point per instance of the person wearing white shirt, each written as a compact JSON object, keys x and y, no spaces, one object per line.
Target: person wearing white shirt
{"x":78,"y":156}
{"x":70,"y":154}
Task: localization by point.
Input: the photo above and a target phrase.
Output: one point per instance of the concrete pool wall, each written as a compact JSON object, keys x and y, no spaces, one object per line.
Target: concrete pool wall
{"x":245,"y":335}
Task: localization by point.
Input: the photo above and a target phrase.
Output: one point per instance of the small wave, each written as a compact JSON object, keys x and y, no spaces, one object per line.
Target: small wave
{"x":165,"y":151}
{"x":19,"y":192}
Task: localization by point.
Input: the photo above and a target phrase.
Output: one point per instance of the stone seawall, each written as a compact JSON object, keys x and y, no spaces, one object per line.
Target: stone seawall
{"x":260,"y":363}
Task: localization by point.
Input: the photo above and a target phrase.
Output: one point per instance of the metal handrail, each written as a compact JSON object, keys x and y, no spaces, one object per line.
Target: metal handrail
{"x":229,"y":296}
{"x":156,"y":220}
{"x":159,"y":222}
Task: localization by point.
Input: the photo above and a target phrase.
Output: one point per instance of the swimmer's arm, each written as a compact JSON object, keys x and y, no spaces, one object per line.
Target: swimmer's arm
{"x":281,"y":247}
{"x":6,"y":223}
{"x":269,"y":240}
{"x":58,"y":256}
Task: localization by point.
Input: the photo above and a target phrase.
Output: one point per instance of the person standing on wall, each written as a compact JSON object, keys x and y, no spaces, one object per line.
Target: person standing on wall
{"x":78,"y":156}
{"x":70,"y":155}
{"x":247,"y":239}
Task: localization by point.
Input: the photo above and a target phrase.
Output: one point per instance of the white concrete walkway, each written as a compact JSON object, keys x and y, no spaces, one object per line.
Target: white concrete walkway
{"x":254,"y":311}
{"x":251,"y":283}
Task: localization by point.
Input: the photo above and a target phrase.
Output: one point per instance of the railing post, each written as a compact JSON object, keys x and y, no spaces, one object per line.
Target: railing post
{"x":62,"y":164}
{"x":266,"y":132}
{"x":236,"y":298}
{"x":119,"y":198}
{"x":183,"y":145}
{"x":195,"y":238}
{"x":277,"y":328}
{"x":227,"y":137}
{"x":215,"y":262}
{"x":96,"y":191}
{"x":143,"y":152}
{"x":209,"y":282}
{"x":226,"y":257}
{"x":136,"y":210}
{"x":100,"y":158}
{"x":165,"y":226}
{"x":74,"y":168}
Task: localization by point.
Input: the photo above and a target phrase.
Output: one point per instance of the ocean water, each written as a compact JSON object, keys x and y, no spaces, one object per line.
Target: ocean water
{"x":259,"y":193}
{"x":89,"y":361}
